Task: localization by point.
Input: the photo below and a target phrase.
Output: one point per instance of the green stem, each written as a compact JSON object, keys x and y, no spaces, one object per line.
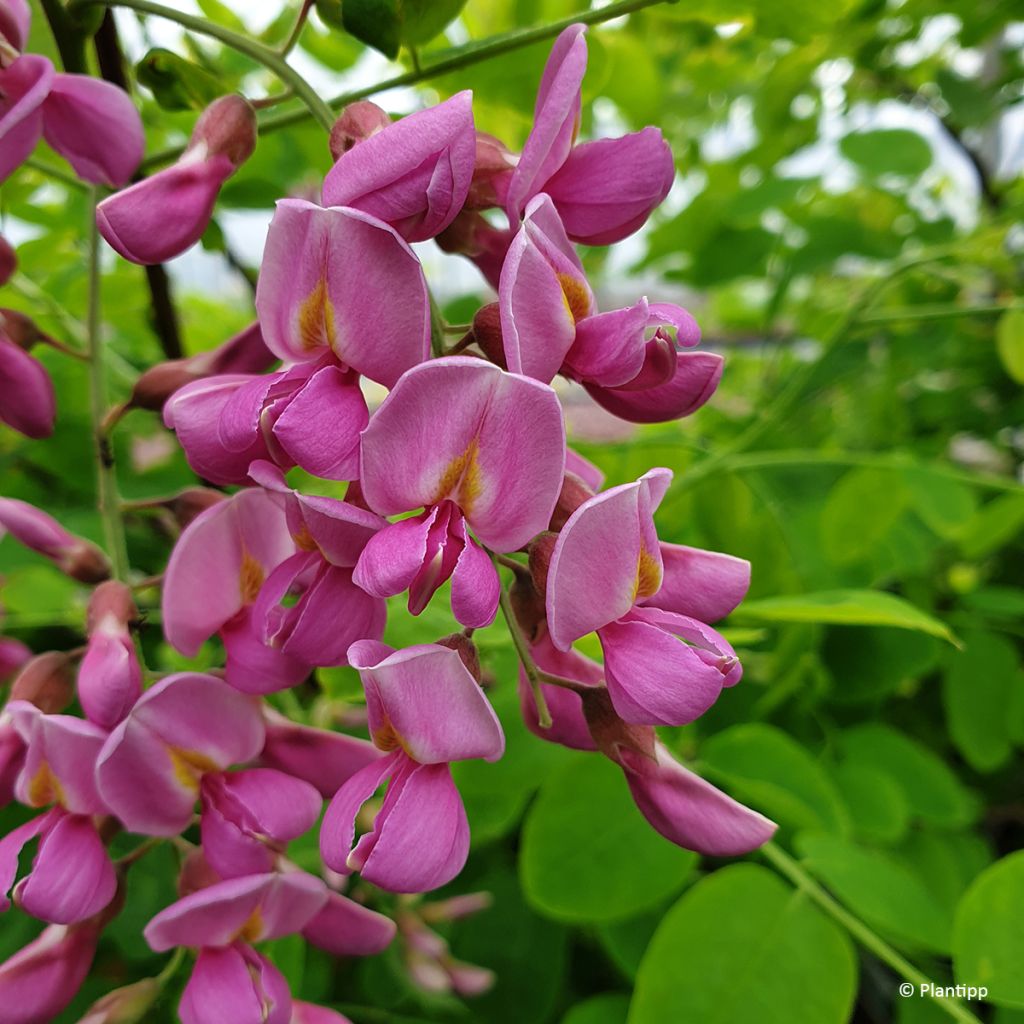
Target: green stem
{"x":171,"y":967}
{"x":293,"y":37}
{"x":935,"y":312}
{"x":459,"y":58}
{"x":256,"y":51}
{"x":785,"y":865}
{"x":106,"y":478}
{"x":522,"y":646}
{"x":70,"y":43}
{"x":58,"y":173}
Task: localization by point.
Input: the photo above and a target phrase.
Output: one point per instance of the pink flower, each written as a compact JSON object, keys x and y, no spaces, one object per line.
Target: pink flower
{"x":71,"y":877}
{"x":27,"y":402}
{"x":376,"y":321}
{"x":15,"y":20}
{"x":40,"y":532}
{"x":647,"y":602}
{"x":8,"y":260}
{"x":309,"y":607}
{"x":39,"y":981}
{"x":473,"y":446}
{"x":603,"y":190}
{"x":413,"y":174}
{"x":151,"y":767}
{"x":109,"y":678}
{"x":159,"y":217}
{"x":91,"y":123}
{"x":213,"y":578}
{"x":550,"y":324}
{"x":426,"y":707}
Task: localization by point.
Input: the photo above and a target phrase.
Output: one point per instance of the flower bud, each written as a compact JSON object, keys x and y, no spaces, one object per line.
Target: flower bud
{"x":467,"y":652}
{"x":609,"y":732}
{"x":486,"y":332}
{"x":127,"y":1005}
{"x":471,"y":235}
{"x":38,"y":531}
{"x":541,"y":549}
{"x":456,"y":908}
{"x":574,"y":492}
{"x":191,"y":502}
{"x":110,"y":678}
{"x":357,"y":122}
{"x":528,"y":606}
{"x":226,"y":127}
{"x":494,"y":163}
{"x":21,"y":329}
{"x":27,"y":401}
{"x":8,"y":261}
{"x":47,"y":681}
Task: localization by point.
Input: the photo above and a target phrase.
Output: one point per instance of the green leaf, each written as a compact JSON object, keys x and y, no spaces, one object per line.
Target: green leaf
{"x":867,"y":663}
{"x":888,"y":151}
{"x":844,"y":607}
{"x":424,"y":19}
{"x":587,"y":853}
{"x":607,"y":1008}
{"x":880,"y":890}
{"x":765,"y":767}
{"x":933,"y":792}
{"x":176,"y":83}
{"x":1010,"y":343}
{"x":743,"y":948}
{"x":859,"y":512}
{"x":978,"y":687}
{"x":988,"y":933}
{"x":388,"y":24}
{"x":944,"y":505}
{"x":996,"y":524}
{"x":877,"y":805}
{"x":626,"y":941}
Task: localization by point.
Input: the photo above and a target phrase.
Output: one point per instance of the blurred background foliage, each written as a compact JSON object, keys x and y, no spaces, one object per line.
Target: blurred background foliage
{"x":847,"y":228}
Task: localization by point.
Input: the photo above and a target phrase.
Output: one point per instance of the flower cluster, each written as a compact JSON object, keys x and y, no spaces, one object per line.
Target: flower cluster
{"x":462,"y":469}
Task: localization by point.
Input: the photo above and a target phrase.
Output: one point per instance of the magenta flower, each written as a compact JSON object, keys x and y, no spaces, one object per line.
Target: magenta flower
{"x":321,"y":757}
{"x":161,"y":216}
{"x":8,"y":260}
{"x":413,"y":174}
{"x":15,"y":21}
{"x":38,"y":531}
{"x":550,"y":324}
{"x":309,"y":607}
{"x":39,"y":981}
{"x":27,"y":402}
{"x":426,"y":708}
{"x":309,"y":415}
{"x":609,"y":574}
{"x":109,"y":678}
{"x":71,"y":877}
{"x":603,"y":190}
{"x":376,"y":321}
{"x":473,"y":446}
{"x":310,"y":1013}
{"x":249,"y":816}
{"x":151,"y":767}
{"x":213,"y":578}
{"x":90,"y":122}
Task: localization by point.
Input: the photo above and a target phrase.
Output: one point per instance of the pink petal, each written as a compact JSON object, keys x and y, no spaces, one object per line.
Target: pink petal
{"x":696,"y":378}
{"x":23,"y":88}
{"x":27,"y":402}
{"x":690,"y":812}
{"x":283,"y":806}
{"x":72,"y":877}
{"x":253,"y":666}
{"x":320,"y":427}
{"x":405,"y":690}
{"x":109,"y":679}
{"x":392,"y":558}
{"x":376,"y":321}
{"x":309,"y":1013}
{"x":94,"y":125}
{"x":590,"y":474}
{"x":609,"y":347}
{"x":414,"y":174}
{"x":235,"y":984}
{"x":324,"y":759}
{"x":607,"y":189}
{"x":34,"y":528}
{"x":218,"y":565}
{"x":13,"y":843}
{"x":475,"y":586}
{"x":496,"y":448}
{"x":338,"y":831}
{"x":556,"y":119}
{"x":704,"y":585}
{"x":160,"y":217}
{"x":15,"y":21}
{"x":346,"y":928}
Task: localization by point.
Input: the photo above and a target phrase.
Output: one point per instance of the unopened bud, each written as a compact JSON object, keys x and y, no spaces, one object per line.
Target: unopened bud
{"x":228,"y":127}
{"x":8,"y":258}
{"x":487,"y":333}
{"x":111,"y":600}
{"x":528,"y":606}
{"x":466,"y":650}
{"x":609,"y":732}
{"x":20,"y":329}
{"x":47,"y":681}
{"x":574,"y":492}
{"x":357,"y":122}
{"x":86,"y":563}
{"x":191,"y":502}
{"x":456,"y":908}
{"x":127,"y":1005}
{"x":542,"y":547}
{"x":494,"y":164}
{"x":159,"y":382}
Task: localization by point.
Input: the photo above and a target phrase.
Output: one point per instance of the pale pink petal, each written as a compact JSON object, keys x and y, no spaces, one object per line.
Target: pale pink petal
{"x":609,"y":347}
{"x":475,"y":585}
{"x":235,"y":984}
{"x":109,"y":679}
{"x":338,"y":831}
{"x":346,"y":928}
{"x":253,"y":666}
{"x":392,"y":558}
{"x":704,"y":585}
{"x":376,"y":321}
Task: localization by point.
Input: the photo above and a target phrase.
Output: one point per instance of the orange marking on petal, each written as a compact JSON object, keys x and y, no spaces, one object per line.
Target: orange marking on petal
{"x":250,"y":578}
{"x":648,"y":575}
{"x":576,"y":296}
{"x":462,"y":481}
{"x":387,"y":738}
{"x":190,"y":766}
{"x":304,"y":540}
{"x":44,"y":788}
{"x":252,"y":930}
{"x":316,"y":319}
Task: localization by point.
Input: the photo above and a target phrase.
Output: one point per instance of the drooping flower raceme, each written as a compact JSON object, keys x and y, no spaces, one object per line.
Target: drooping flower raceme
{"x":473,"y":447}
